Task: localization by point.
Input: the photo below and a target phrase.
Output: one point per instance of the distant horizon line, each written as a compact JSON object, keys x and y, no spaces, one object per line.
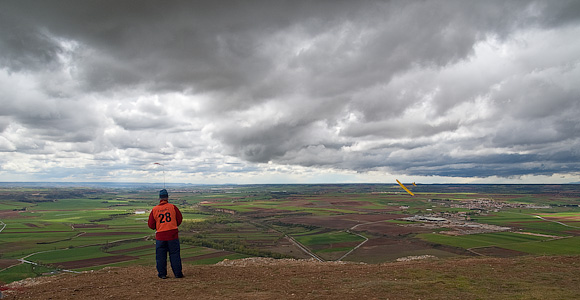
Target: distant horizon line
{"x":242,"y":184}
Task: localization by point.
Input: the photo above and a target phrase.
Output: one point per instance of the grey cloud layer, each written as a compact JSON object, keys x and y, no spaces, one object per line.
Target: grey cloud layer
{"x":448,"y":88}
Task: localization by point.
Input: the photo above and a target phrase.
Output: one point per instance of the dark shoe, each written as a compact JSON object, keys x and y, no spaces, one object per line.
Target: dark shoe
{"x":179,"y":276}
{"x":163,"y":277}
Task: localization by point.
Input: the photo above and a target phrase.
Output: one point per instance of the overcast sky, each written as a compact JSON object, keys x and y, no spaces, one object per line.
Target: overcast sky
{"x":290,"y":91}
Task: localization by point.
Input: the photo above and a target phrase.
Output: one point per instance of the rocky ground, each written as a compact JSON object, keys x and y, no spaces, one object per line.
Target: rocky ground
{"x":257,"y":278}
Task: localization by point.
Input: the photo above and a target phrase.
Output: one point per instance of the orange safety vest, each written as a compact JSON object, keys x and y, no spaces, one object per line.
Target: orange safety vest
{"x":165,"y":217}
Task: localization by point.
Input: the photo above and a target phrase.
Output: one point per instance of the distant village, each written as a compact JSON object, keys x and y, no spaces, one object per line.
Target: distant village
{"x":460,"y":223}
{"x":483,"y":204}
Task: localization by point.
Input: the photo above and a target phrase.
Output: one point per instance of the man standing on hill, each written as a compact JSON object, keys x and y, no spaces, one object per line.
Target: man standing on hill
{"x":165,"y":218}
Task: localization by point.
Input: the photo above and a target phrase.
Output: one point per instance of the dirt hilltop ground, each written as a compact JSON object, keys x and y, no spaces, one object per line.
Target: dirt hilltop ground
{"x":258,"y":278}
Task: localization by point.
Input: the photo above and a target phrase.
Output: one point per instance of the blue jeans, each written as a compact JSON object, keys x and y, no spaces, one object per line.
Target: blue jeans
{"x":161,"y":249}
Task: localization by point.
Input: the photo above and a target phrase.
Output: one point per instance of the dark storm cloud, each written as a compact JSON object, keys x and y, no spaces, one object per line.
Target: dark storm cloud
{"x":442,"y":88}
{"x":25,"y":47}
{"x":224,"y":47}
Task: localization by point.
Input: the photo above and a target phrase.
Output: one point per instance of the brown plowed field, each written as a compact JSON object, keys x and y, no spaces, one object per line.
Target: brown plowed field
{"x":7,"y":214}
{"x":91,"y":262}
{"x":5,"y":263}
{"x":383,"y":249}
{"x":498,"y":252}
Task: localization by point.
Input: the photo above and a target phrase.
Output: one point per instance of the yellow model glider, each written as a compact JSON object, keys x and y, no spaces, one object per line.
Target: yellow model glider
{"x":404,"y":187}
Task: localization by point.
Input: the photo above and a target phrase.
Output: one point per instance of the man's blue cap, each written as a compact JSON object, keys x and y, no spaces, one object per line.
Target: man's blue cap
{"x":163,"y":194}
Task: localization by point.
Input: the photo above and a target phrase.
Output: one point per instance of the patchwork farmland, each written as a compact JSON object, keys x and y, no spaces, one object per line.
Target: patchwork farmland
{"x":48,"y":230}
